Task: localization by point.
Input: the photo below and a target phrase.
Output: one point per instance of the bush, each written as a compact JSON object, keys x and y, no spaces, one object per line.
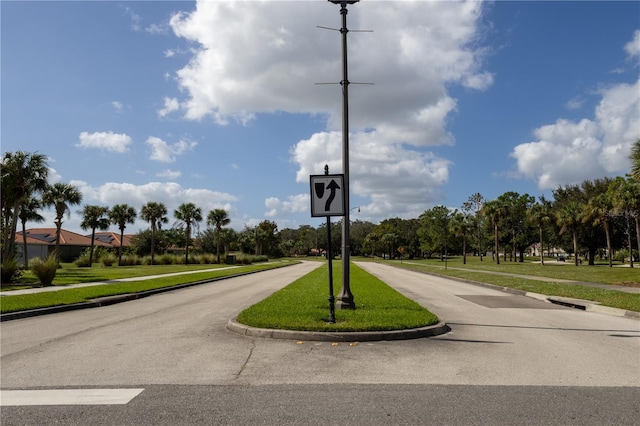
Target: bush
{"x":10,"y":270}
{"x":166,"y":259}
{"x":45,"y":269}
{"x":108,"y":259}
{"x":131,"y":260}
{"x":83,"y":261}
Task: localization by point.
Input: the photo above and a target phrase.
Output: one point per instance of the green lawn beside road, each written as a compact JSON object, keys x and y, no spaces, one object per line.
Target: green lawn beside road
{"x":549,"y":277}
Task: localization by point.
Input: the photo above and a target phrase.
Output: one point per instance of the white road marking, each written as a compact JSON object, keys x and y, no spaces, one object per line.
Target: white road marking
{"x":67,"y":397}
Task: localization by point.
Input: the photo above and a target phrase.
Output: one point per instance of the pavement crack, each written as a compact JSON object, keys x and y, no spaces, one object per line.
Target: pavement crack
{"x":246,"y":361}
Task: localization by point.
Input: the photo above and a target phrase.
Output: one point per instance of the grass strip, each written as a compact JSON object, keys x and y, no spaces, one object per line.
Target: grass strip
{"x":303,"y":305}
{"x":78,"y":295}
{"x":611,"y":298}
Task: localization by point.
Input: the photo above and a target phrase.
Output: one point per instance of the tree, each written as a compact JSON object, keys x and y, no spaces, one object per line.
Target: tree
{"x":121,"y":215}
{"x":625,"y":194}
{"x":29,"y":213}
{"x":473,"y":207}
{"x":569,"y":217}
{"x":598,"y":211}
{"x":154,"y":213}
{"x":189,"y":215}
{"x":495,"y":211}
{"x":635,"y":160}
{"x":23,"y":175}
{"x":61,"y":196}
{"x":218,"y":218}
{"x":540,"y":215}
{"x":434,"y":229}
{"x":460,"y":226}
{"x":94,"y":217}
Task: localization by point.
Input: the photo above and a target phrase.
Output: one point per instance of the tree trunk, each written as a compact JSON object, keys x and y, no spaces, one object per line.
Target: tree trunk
{"x":541,"y":248}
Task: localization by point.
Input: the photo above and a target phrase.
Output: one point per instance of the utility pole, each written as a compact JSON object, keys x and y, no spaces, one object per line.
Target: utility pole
{"x":345,"y":299}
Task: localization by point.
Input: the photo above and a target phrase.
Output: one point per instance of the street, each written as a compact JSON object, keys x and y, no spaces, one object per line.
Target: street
{"x":508,"y":359}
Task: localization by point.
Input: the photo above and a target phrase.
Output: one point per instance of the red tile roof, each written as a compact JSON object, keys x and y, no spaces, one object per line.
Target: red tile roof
{"x":47,"y":236}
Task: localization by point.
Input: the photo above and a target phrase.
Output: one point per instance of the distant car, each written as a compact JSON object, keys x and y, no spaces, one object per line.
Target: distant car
{"x":560,"y":258}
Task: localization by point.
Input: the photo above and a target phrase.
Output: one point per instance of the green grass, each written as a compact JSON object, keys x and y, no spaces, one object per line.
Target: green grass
{"x":303,"y":305}
{"x":77,"y":295}
{"x":583,"y":273}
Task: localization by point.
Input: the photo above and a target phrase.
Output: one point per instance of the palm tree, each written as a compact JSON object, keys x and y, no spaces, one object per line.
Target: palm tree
{"x":495,"y":211}
{"x":625,"y":194}
{"x":23,"y":175}
{"x":94,"y":217}
{"x":154,"y":213}
{"x":120,"y":215}
{"x":598,"y":211}
{"x":189,"y":215}
{"x":635,"y":160}
{"x":569,"y":217}
{"x":29,"y":213}
{"x":218,"y":218}
{"x":540,"y":215}
{"x":460,"y":226}
{"x":61,"y":196}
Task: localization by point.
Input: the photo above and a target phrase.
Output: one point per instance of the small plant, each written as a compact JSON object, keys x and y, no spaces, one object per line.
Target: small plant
{"x":108,"y":259}
{"x":10,"y":270}
{"x":166,"y":259}
{"x":83,"y":261}
{"x":45,"y":269}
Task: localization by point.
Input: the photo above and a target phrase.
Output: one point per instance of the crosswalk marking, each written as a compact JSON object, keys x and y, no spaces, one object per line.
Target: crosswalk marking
{"x":67,"y":397}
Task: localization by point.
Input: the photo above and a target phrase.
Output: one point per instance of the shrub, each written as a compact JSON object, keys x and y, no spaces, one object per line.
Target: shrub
{"x":83,"y":261}
{"x":45,"y":269}
{"x":108,"y":259}
{"x":166,"y":259}
{"x":10,"y":270}
{"x":131,"y":260}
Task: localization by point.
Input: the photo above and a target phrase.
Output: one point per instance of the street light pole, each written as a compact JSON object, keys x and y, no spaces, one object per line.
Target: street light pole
{"x":345,"y":299}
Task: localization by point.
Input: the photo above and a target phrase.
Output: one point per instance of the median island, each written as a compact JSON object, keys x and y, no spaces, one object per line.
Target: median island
{"x":303,"y":306}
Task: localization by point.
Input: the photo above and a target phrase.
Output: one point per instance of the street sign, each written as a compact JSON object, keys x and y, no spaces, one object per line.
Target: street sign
{"x":327,"y":195}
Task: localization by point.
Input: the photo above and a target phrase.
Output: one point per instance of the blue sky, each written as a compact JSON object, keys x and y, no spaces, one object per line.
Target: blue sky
{"x":214,"y":102}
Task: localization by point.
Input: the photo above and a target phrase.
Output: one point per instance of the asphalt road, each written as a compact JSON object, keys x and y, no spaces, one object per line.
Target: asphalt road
{"x":508,"y":360}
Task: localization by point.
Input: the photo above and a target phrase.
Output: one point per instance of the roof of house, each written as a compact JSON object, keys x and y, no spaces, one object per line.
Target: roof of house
{"x":47,"y":236}
{"x":113,"y":238}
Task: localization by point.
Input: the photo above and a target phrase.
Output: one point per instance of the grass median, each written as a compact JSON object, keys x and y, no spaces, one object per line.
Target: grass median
{"x":303,"y":305}
{"x":549,"y":281}
{"x":70,"y":296}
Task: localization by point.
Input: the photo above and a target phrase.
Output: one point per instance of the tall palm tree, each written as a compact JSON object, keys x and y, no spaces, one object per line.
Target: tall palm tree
{"x":189,"y":215}
{"x":540,"y":215}
{"x":569,"y":216}
{"x":626,"y":199}
{"x":635,"y":160}
{"x":460,"y":226}
{"x":120,"y":215}
{"x":29,"y":213}
{"x":218,"y":218}
{"x":495,"y":211}
{"x":94,"y":217}
{"x":598,"y":211}
{"x":23,"y":175}
{"x":61,"y":196}
{"x":154,"y":213}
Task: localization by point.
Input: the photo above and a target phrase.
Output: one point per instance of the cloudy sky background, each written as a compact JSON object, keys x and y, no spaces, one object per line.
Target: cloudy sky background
{"x":215,"y":102}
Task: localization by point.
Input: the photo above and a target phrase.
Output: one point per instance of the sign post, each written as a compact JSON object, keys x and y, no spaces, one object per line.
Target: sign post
{"x":327,"y":199}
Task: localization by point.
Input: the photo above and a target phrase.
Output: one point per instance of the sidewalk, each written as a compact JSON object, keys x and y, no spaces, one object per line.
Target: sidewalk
{"x":121,"y":280}
{"x":624,"y":289}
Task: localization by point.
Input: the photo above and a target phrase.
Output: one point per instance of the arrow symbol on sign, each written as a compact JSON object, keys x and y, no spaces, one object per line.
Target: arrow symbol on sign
{"x":332,"y":186}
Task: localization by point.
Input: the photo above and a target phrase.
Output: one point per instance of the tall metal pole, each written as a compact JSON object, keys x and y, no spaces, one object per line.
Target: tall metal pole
{"x":345,"y":299}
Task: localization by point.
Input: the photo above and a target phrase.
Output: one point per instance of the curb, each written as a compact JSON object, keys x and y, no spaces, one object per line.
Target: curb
{"x":334,"y":336}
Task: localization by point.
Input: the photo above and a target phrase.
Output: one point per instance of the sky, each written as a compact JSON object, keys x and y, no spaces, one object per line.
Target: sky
{"x":217,"y":102}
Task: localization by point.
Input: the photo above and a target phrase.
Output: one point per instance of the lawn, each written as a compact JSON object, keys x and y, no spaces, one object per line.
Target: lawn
{"x":77,"y":275}
{"x":303,"y":305}
{"x":475,"y":270}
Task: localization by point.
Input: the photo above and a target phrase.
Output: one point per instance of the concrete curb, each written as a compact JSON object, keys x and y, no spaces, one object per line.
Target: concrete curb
{"x":330,"y":336}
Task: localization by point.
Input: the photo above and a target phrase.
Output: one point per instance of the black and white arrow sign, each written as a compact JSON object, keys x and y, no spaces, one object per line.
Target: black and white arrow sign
{"x":327,"y":195}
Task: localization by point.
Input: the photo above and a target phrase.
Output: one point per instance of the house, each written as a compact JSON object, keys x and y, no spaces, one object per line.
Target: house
{"x":42,"y":241}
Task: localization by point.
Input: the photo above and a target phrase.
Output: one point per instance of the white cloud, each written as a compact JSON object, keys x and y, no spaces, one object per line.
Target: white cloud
{"x":169,"y":193}
{"x":170,"y":105}
{"x":166,"y":153}
{"x":108,"y":141}
{"x":569,"y":152}
{"x":294,"y":204}
{"x":169,"y":174}
{"x":117,"y":105}
{"x":633,"y":47}
{"x":262,"y":61}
